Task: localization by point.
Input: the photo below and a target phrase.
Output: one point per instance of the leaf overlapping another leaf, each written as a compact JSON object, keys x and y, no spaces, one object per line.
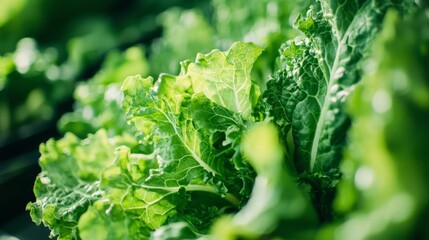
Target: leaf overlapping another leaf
{"x":278,"y":208}
{"x":191,"y":124}
{"x":320,"y":70}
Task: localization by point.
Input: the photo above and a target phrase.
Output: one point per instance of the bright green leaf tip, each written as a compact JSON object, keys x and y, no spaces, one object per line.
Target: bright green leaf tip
{"x":224,"y":77}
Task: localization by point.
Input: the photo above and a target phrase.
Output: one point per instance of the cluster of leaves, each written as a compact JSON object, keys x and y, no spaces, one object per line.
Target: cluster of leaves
{"x":332,"y":147}
{"x":193,"y":125}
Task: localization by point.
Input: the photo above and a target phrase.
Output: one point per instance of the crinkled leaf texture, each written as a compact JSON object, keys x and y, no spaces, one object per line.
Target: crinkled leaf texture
{"x":194,"y":173}
{"x":306,"y":98}
{"x":69,"y":181}
{"x":127,"y":211}
{"x":224,"y":77}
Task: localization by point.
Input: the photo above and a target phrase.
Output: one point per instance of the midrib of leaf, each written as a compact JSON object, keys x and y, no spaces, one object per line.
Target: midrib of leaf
{"x":190,"y":150}
{"x":237,"y":100}
{"x":148,"y":205}
{"x":222,"y":102}
{"x":235,"y":90}
{"x":331,"y":81}
{"x":193,"y":188}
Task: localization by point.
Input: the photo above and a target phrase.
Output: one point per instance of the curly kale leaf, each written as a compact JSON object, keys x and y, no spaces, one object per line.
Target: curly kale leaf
{"x":306,"y":98}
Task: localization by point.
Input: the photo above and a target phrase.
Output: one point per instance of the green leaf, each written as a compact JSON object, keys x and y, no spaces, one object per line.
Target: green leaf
{"x":125,"y":185}
{"x":320,"y":70}
{"x":213,"y":117}
{"x":319,"y":74}
{"x":106,"y":221}
{"x":277,"y":207}
{"x":224,"y":77}
{"x":173,"y":129}
{"x":69,"y":181}
{"x":178,"y":144}
{"x":224,"y":129}
{"x":196,"y":176}
{"x":129,"y":211}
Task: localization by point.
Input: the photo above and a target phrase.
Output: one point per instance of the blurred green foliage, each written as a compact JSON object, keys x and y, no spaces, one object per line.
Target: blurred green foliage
{"x":32,"y":85}
{"x":384,"y":189}
{"x":47,"y":46}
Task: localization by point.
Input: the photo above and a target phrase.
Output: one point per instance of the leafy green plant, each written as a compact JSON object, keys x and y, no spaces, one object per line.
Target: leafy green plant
{"x":214,"y":153}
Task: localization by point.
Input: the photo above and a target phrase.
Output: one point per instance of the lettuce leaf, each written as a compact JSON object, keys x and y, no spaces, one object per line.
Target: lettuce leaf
{"x":306,"y":98}
{"x":69,"y":181}
{"x":225,"y":78}
{"x":194,"y":173}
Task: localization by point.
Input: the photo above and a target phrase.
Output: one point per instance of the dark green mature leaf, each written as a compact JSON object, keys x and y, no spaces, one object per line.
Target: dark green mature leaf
{"x":320,"y":70}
